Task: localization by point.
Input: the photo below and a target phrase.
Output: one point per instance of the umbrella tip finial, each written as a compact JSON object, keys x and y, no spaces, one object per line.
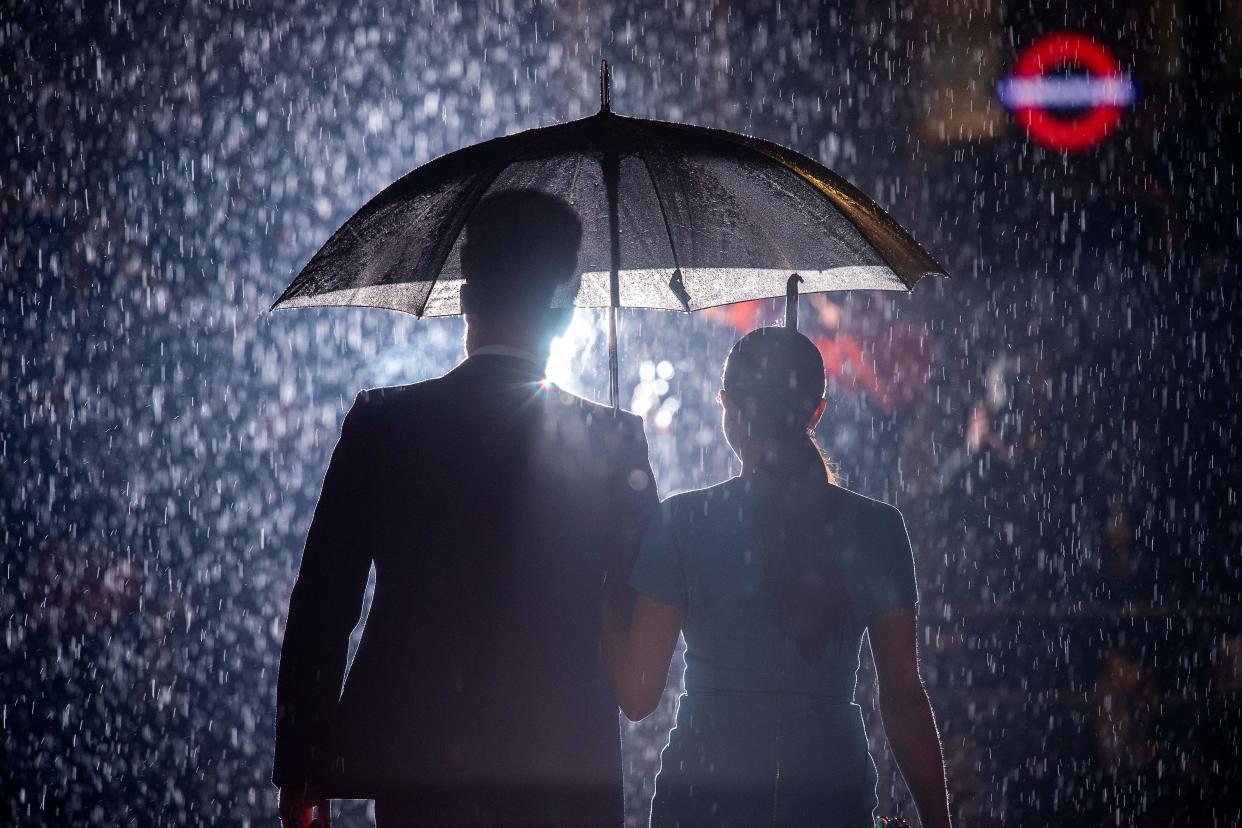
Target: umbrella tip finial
{"x":791,"y":302}
{"x":605,"y":87}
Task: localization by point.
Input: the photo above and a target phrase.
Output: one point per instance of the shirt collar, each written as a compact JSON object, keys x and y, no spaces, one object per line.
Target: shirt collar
{"x":508,"y":351}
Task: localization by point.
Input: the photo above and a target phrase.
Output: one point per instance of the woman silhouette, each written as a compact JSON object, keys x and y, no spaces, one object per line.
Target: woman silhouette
{"x":773,"y":577}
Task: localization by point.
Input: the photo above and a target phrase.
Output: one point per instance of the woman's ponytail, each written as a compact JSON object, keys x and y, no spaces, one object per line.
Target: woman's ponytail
{"x":775,"y":379}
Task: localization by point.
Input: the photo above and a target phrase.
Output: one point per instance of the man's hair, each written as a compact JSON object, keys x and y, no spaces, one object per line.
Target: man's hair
{"x":521,"y":245}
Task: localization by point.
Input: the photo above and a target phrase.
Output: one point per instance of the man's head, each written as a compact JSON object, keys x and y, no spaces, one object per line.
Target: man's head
{"x":520,"y":246}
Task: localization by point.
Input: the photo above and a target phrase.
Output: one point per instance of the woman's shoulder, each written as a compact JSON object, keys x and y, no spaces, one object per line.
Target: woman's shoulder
{"x":875,"y":548}
{"x":861,"y":506}
{"x":692,"y":504}
{"x":731,"y":496}
{"x":724,"y":491}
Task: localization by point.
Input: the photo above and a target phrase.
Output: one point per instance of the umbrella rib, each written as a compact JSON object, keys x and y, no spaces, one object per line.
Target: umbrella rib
{"x":463,"y":214}
{"x":573,"y":184}
{"x":668,"y":228}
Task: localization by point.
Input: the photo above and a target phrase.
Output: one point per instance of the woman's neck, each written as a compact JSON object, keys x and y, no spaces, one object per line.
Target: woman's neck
{"x":793,"y":459}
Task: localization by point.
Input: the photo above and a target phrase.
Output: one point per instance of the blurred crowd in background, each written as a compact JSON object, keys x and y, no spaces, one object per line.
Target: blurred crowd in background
{"x":1056,"y":420}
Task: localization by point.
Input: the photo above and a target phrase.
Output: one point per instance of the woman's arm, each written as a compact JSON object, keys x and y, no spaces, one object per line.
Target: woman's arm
{"x":636,"y":659}
{"x":907,"y":714}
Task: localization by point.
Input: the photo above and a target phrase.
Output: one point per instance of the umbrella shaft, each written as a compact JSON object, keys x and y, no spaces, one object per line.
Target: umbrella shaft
{"x":611,"y":168}
{"x":614,"y":388}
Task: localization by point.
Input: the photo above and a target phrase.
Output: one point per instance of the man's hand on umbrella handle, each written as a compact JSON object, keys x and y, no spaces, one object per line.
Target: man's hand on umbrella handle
{"x":304,"y":808}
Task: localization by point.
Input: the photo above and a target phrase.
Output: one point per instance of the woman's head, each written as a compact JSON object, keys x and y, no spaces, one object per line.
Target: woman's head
{"x":772,"y":393}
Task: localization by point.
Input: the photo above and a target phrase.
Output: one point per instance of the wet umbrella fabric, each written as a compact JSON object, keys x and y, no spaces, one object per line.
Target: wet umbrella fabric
{"x":674,"y":216}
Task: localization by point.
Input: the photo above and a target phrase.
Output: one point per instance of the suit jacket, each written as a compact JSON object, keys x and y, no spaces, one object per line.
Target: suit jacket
{"x":491,"y":506}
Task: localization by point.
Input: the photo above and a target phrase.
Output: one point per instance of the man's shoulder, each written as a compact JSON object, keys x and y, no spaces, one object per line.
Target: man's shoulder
{"x":386,"y":397}
{"x":433,"y":397}
{"x":595,"y":414}
{"x":375,"y":409}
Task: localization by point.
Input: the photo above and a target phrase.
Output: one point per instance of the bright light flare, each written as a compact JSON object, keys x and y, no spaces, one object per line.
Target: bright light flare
{"x":573,"y":352}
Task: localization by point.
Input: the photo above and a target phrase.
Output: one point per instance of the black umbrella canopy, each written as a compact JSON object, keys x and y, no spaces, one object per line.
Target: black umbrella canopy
{"x":703,"y":217}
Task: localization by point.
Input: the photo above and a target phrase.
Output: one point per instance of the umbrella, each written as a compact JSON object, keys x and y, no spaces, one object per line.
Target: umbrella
{"x":675,"y":217}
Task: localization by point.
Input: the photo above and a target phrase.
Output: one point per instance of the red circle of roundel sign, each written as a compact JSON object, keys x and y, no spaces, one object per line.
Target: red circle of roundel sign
{"x":1095,"y":98}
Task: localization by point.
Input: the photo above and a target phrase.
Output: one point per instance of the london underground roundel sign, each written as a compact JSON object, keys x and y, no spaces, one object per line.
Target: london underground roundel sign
{"x":1038,"y":92}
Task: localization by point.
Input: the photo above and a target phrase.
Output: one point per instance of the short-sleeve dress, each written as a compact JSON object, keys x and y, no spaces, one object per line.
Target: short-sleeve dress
{"x":763,"y":736}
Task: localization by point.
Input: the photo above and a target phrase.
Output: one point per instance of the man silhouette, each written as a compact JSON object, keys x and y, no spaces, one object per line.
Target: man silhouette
{"x":498,"y":512}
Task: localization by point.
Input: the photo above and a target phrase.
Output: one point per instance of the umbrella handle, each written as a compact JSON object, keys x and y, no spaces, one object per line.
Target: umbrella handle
{"x":791,"y":302}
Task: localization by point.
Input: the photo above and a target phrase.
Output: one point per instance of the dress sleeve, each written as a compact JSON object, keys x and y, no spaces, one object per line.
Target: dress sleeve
{"x":659,"y":572}
{"x":895,"y":585}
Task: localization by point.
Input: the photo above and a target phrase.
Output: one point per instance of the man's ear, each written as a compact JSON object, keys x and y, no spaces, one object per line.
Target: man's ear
{"x":817,"y":413}
{"x":723,"y":396}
